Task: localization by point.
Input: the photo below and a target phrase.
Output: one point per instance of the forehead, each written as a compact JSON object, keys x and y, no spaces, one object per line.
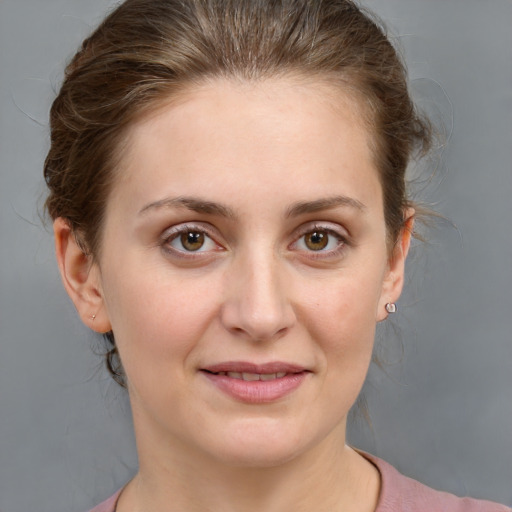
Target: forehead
{"x":280,"y":100}
{"x":297,"y":135}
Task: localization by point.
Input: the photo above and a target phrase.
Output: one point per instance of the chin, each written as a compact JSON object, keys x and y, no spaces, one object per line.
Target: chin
{"x":260,"y":444}
{"x":258,"y":456}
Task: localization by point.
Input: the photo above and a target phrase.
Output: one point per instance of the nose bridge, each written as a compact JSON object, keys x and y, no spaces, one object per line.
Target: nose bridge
{"x":257,"y":302}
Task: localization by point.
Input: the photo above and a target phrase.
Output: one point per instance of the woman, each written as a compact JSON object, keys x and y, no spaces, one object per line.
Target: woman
{"x":227,"y":187}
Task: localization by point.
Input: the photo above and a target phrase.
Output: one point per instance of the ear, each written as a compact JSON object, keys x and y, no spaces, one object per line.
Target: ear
{"x":81,"y":278}
{"x":394,"y":278}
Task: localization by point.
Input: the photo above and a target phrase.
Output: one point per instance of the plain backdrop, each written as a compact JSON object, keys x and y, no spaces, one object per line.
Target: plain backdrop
{"x":441,"y":407}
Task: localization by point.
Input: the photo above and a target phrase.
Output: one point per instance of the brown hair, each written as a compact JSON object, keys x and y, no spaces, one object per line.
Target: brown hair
{"x":147,"y":50}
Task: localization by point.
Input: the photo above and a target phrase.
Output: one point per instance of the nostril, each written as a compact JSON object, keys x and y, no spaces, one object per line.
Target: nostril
{"x":256,"y":306}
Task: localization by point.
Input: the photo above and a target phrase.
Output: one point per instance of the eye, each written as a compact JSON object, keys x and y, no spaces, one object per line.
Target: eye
{"x":317,"y":240}
{"x":187,"y":240}
{"x":320,"y":240}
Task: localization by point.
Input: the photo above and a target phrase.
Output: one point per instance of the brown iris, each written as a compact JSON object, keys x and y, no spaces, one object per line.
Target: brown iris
{"x":316,"y":240}
{"x":192,"y":240}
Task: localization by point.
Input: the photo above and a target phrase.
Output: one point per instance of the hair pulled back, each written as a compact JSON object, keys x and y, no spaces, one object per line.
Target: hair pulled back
{"x":147,"y":50}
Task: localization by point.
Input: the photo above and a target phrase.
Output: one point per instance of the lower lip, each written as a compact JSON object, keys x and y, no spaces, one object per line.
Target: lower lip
{"x":258,"y":391}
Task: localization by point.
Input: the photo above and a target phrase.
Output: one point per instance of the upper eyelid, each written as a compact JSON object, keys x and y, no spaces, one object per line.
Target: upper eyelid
{"x":209,"y":230}
{"x":330,"y":227}
{"x":344,"y":240}
{"x":170,"y":234}
{"x":188,"y":226}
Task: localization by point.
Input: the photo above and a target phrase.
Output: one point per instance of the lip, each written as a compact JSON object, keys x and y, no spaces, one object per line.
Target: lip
{"x":258,"y":391}
{"x":246,"y":367}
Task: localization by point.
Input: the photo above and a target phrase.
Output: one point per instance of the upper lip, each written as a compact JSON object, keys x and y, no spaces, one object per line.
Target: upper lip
{"x":246,"y":367}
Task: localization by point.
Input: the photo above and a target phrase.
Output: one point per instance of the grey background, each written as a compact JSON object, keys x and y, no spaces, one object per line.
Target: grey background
{"x":441,"y":411}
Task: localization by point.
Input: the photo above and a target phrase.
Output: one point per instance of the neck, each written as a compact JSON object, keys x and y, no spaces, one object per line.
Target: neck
{"x":331,"y":476}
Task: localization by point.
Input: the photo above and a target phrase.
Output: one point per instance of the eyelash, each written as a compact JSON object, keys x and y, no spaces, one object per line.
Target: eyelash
{"x":175,"y":232}
{"x":343,"y":241}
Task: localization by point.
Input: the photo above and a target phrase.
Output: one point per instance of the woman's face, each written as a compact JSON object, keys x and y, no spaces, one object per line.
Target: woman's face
{"x":244,"y":266}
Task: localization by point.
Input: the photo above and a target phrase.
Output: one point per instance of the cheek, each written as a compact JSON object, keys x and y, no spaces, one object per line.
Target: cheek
{"x":157,"y":316}
{"x":348,"y":332}
{"x":341,"y":317}
{"x":343,"y":308}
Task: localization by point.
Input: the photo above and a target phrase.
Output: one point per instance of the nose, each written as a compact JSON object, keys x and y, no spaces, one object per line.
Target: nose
{"x":257,"y":306}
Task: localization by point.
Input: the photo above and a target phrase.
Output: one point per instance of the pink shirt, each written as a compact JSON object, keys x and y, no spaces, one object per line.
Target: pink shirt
{"x":398,"y":493}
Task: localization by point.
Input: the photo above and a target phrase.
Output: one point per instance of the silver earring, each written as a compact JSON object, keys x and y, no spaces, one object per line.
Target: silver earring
{"x":390,"y":307}
{"x":93,"y":317}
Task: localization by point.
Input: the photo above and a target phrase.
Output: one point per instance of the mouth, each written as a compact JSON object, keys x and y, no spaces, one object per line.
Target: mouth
{"x":243,"y":367}
{"x":251,"y":383}
{"x":252,"y":377}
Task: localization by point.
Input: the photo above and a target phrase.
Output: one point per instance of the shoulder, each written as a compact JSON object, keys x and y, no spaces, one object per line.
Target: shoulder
{"x":108,"y":505}
{"x":402,"y":494}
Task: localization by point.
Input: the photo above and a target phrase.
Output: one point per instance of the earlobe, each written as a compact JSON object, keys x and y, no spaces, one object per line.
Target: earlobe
{"x":80,"y":277}
{"x":394,"y":280}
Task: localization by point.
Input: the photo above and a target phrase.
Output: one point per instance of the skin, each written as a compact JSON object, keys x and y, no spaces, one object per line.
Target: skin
{"x":255,"y":291}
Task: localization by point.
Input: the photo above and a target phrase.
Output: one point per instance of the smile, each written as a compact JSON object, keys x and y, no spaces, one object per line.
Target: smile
{"x":256,"y":384}
{"x":251,"y":377}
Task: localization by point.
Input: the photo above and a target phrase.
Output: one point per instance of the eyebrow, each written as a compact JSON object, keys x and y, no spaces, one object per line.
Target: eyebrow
{"x":190,"y":203}
{"x":199,"y":205}
{"x":327,"y":203}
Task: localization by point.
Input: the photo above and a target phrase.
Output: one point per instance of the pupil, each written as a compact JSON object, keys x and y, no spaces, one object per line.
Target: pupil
{"x":317,"y":240}
{"x":192,"y":241}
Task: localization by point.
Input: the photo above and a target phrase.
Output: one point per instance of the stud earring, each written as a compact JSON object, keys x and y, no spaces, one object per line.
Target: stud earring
{"x":390,"y":307}
{"x":93,"y":317}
